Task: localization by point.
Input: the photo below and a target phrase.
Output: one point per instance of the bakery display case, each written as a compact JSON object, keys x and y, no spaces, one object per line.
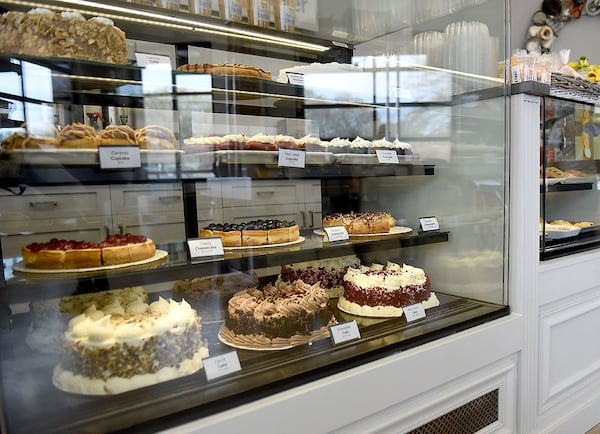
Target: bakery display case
{"x":185,"y":230}
{"x":569,"y":150}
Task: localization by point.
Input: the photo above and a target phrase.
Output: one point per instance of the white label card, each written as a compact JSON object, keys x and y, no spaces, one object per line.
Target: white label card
{"x":414,"y":312}
{"x":295,"y":78}
{"x":201,"y":247}
{"x":336,"y":233}
{"x":291,"y":158}
{"x":347,"y":331}
{"x":387,"y":156}
{"x":145,"y":59}
{"x":429,"y":224}
{"x":223,"y":364}
{"x":119,"y":157}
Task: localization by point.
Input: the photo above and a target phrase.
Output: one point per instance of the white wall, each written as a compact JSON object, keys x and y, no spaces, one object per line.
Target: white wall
{"x":581,"y":36}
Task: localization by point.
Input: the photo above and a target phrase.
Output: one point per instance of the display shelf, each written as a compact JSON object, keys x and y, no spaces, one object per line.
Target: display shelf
{"x":567,"y":187}
{"x":568,"y":246}
{"x":21,"y":287}
{"x":42,"y":408}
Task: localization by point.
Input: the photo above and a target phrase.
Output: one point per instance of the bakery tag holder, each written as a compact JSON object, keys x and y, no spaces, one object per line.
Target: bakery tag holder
{"x":291,"y":158}
{"x":145,"y":59}
{"x":223,"y":364}
{"x":205,"y":247}
{"x":387,"y":156}
{"x":413,"y":312}
{"x":344,"y":332}
{"x":295,"y":78}
{"x":428,"y":224}
{"x":336,"y":233}
{"x":119,"y":157}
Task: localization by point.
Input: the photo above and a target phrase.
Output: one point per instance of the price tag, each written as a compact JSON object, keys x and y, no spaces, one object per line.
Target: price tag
{"x":223,"y":364}
{"x":201,"y":247}
{"x":414,"y":312}
{"x":387,"y":156}
{"x":344,"y":332}
{"x":145,"y":59}
{"x":295,"y":78}
{"x":336,"y":233}
{"x":429,"y":224}
{"x":291,"y":158}
{"x":119,"y":157}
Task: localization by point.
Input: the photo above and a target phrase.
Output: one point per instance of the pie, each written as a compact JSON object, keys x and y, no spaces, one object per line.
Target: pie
{"x":253,"y":233}
{"x":69,"y":254}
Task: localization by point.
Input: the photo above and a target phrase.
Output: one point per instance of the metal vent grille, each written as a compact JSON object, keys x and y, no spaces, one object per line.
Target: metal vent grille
{"x":470,"y":418}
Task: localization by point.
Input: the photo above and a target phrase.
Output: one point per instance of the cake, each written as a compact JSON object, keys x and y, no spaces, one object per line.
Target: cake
{"x":140,"y":345}
{"x":361,"y":223}
{"x":115,"y":249}
{"x":209,"y":294}
{"x":226,"y":69}
{"x":277,"y":316}
{"x":382,"y":291}
{"x":41,"y":32}
{"x":329,"y":273}
{"x":253,"y":233}
{"x":50,"y":318}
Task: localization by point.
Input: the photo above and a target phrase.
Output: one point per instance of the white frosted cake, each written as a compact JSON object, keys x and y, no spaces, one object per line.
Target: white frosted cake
{"x":119,"y":349}
{"x":382,"y":291}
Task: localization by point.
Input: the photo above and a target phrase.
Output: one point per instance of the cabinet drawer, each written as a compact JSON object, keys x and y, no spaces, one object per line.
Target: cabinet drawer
{"x":146,"y":198}
{"x":208,"y":195}
{"x":162,"y":228}
{"x":248,"y":193}
{"x":55,"y":202}
{"x":18,"y":233}
{"x":243,"y":214}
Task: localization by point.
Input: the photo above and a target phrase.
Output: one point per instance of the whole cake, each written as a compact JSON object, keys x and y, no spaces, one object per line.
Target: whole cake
{"x":70,"y":254}
{"x":358,"y":223}
{"x":381,"y":290}
{"x":108,"y":353}
{"x":209,"y":294}
{"x":329,"y":273}
{"x":277,"y":316}
{"x":253,"y":233}
{"x":41,"y":32}
{"x":50,"y":318}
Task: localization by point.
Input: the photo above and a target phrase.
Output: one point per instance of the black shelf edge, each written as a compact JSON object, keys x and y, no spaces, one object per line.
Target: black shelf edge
{"x":531,"y":88}
{"x":23,"y":287}
{"x":569,"y":246}
{"x":566,"y":187}
{"x":13,"y":174}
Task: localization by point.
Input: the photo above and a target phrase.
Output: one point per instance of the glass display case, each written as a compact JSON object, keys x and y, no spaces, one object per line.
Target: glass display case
{"x":569,"y":150}
{"x":391,"y":109}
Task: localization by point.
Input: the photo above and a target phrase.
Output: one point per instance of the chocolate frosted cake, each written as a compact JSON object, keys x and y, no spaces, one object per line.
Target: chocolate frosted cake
{"x":107,"y":353}
{"x":382,"y":290}
{"x":277,"y":316}
{"x":329,"y":273}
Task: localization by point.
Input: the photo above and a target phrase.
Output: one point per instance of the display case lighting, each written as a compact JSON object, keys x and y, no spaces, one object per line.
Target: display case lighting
{"x":163,"y":20}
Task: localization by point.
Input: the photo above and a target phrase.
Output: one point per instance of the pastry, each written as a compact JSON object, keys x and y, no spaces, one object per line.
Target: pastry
{"x":253,"y":233}
{"x":78,"y":135}
{"x":117,"y":135}
{"x":41,"y":32}
{"x":155,"y":137}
